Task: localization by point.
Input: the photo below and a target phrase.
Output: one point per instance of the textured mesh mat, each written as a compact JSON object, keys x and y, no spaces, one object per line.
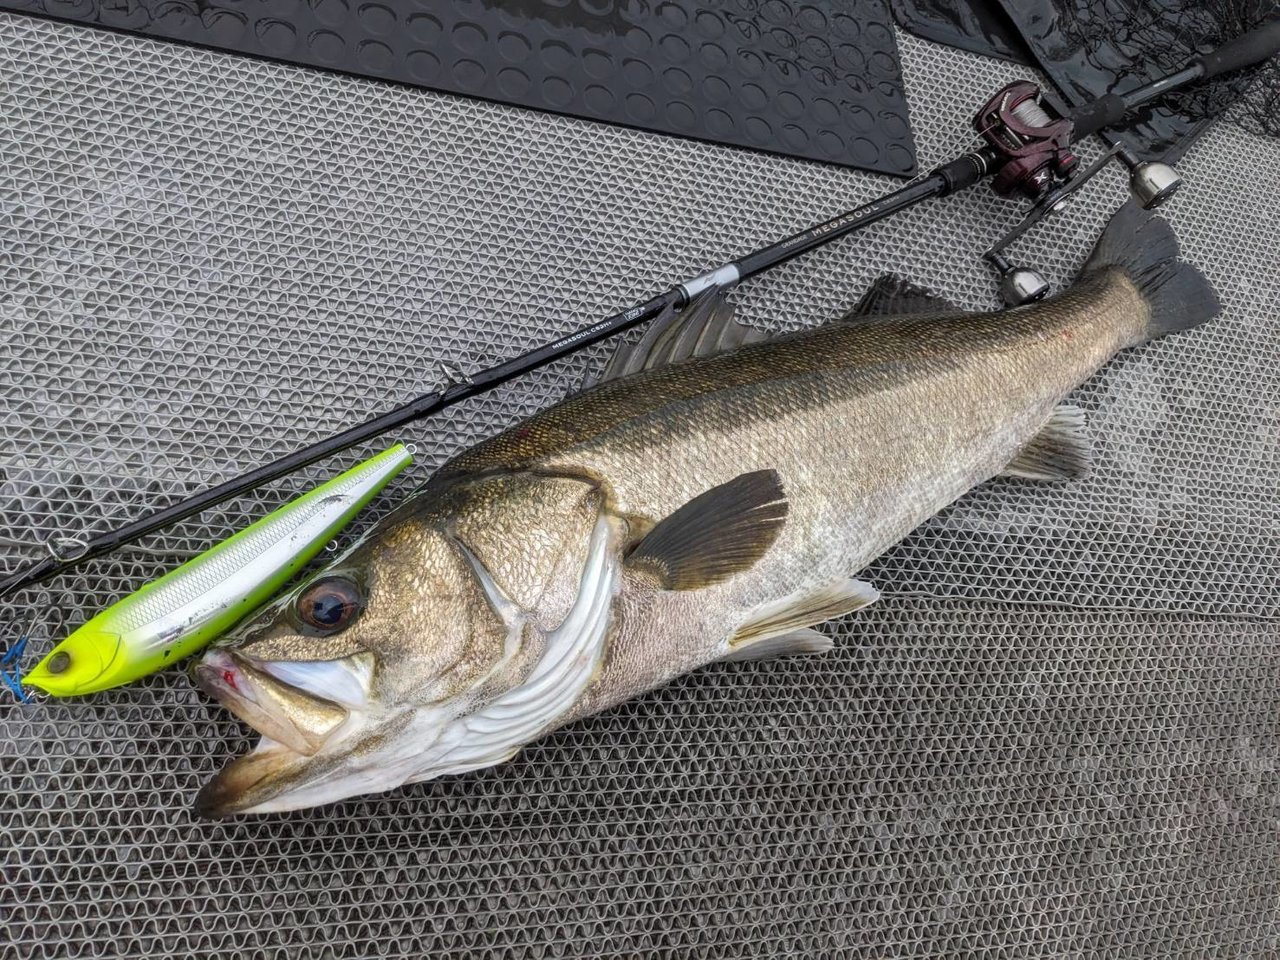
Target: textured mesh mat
{"x":1057,"y":735}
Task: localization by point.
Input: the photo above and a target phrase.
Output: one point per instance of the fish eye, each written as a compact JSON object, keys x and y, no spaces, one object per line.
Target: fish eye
{"x":329,"y":605}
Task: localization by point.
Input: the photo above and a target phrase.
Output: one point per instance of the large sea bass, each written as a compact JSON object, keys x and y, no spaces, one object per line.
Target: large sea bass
{"x":709,"y":504}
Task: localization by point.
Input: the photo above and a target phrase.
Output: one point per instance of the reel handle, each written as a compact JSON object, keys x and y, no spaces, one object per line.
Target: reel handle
{"x":1249,"y":48}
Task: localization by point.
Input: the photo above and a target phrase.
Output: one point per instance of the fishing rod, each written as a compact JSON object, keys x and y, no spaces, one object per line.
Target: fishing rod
{"x":1027,"y":152}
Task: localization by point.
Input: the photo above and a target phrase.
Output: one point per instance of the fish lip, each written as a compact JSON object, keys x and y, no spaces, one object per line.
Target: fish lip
{"x":208,"y":806}
{"x":217,"y":799}
{"x":212,"y":671}
{"x":227,"y":795}
{"x":233,"y":680}
{"x":211,"y":676}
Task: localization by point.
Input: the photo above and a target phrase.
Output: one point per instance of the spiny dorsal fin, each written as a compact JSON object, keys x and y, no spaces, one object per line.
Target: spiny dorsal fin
{"x":804,"y":609}
{"x":705,"y":327}
{"x":891,"y":295}
{"x":716,"y":534}
{"x":1060,"y":451}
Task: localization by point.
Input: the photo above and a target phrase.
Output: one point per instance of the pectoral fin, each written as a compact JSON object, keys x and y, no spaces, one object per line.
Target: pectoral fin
{"x":784,"y":617}
{"x":716,"y":534}
{"x":1060,"y":451}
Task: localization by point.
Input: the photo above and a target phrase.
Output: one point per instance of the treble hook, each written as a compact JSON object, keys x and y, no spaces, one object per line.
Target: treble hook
{"x":11,"y":665}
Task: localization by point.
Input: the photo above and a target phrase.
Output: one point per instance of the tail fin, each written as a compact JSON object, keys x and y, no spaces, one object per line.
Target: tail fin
{"x":1144,"y":246}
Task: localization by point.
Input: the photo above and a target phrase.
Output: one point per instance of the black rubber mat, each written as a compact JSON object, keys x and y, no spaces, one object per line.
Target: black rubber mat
{"x":1089,"y":49}
{"x":973,"y":25}
{"x":818,"y":80}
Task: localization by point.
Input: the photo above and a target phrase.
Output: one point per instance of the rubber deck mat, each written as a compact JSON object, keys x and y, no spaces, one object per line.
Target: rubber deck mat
{"x":817,"y":80}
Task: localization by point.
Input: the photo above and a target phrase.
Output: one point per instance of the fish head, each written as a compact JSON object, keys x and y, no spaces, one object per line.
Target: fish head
{"x":354,"y":677}
{"x":80,"y":664}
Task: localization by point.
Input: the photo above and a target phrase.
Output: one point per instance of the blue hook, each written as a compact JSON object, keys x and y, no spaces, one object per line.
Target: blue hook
{"x":11,"y":667}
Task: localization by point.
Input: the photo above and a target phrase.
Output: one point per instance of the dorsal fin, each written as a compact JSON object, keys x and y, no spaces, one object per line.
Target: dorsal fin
{"x":705,"y":327}
{"x":891,"y":295}
{"x":708,"y":326}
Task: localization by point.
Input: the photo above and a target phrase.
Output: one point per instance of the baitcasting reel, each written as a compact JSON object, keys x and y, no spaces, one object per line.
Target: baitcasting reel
{"x":1034,"y":147}
{"x":1032,"y":156}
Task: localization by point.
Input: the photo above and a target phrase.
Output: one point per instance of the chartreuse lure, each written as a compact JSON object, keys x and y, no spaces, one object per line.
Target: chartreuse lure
{"x":178,"y":614}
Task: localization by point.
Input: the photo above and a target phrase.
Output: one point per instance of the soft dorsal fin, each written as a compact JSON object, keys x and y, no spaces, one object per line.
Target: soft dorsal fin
{"x":716,"y":534}
{"x":705,"y":327}
{"x":1060,"y":451}
{"x":891,"y":295}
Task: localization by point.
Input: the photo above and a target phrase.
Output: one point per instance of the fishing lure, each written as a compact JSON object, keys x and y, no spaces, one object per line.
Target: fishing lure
{"x":178,"y":614}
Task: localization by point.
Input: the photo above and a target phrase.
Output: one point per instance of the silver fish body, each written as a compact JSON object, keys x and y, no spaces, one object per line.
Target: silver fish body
{"x":712,"y":508}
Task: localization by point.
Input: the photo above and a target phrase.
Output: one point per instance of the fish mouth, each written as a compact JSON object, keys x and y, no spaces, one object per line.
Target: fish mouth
{"x":297,"y":706}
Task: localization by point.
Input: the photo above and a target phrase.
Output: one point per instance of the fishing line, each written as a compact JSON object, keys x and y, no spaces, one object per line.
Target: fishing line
{"x":1026,"y":151}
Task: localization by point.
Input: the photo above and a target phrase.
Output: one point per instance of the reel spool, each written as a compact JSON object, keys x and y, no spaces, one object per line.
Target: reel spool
{"x":1035,"y":147}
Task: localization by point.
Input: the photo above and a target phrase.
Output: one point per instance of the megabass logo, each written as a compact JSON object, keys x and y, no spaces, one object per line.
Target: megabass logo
{"x":833,"y":225}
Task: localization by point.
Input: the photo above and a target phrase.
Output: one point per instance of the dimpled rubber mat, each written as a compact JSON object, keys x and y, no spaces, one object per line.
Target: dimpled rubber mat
{"x":818,"y":80}
{"x":1057,"y":734}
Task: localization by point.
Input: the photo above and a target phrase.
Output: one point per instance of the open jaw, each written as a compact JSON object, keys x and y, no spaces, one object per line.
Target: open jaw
{"x":298,"y":707}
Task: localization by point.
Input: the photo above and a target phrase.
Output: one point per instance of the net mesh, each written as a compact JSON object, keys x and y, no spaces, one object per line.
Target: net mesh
{"x":1057,"y":735}
{"x":1163,"y":36}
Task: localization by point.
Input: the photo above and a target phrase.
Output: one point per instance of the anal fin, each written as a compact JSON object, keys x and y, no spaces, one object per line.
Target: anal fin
{"x":1060,"y":451}
{"x":803,"y":609}
{"x":802,"y":642}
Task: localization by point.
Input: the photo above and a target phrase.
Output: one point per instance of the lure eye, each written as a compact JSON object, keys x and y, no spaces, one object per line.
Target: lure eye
{"x":329,"y":605}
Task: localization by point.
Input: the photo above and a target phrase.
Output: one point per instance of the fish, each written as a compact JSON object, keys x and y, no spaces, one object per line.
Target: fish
{"x":184,"y":610}
{"x":711,"y":499}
